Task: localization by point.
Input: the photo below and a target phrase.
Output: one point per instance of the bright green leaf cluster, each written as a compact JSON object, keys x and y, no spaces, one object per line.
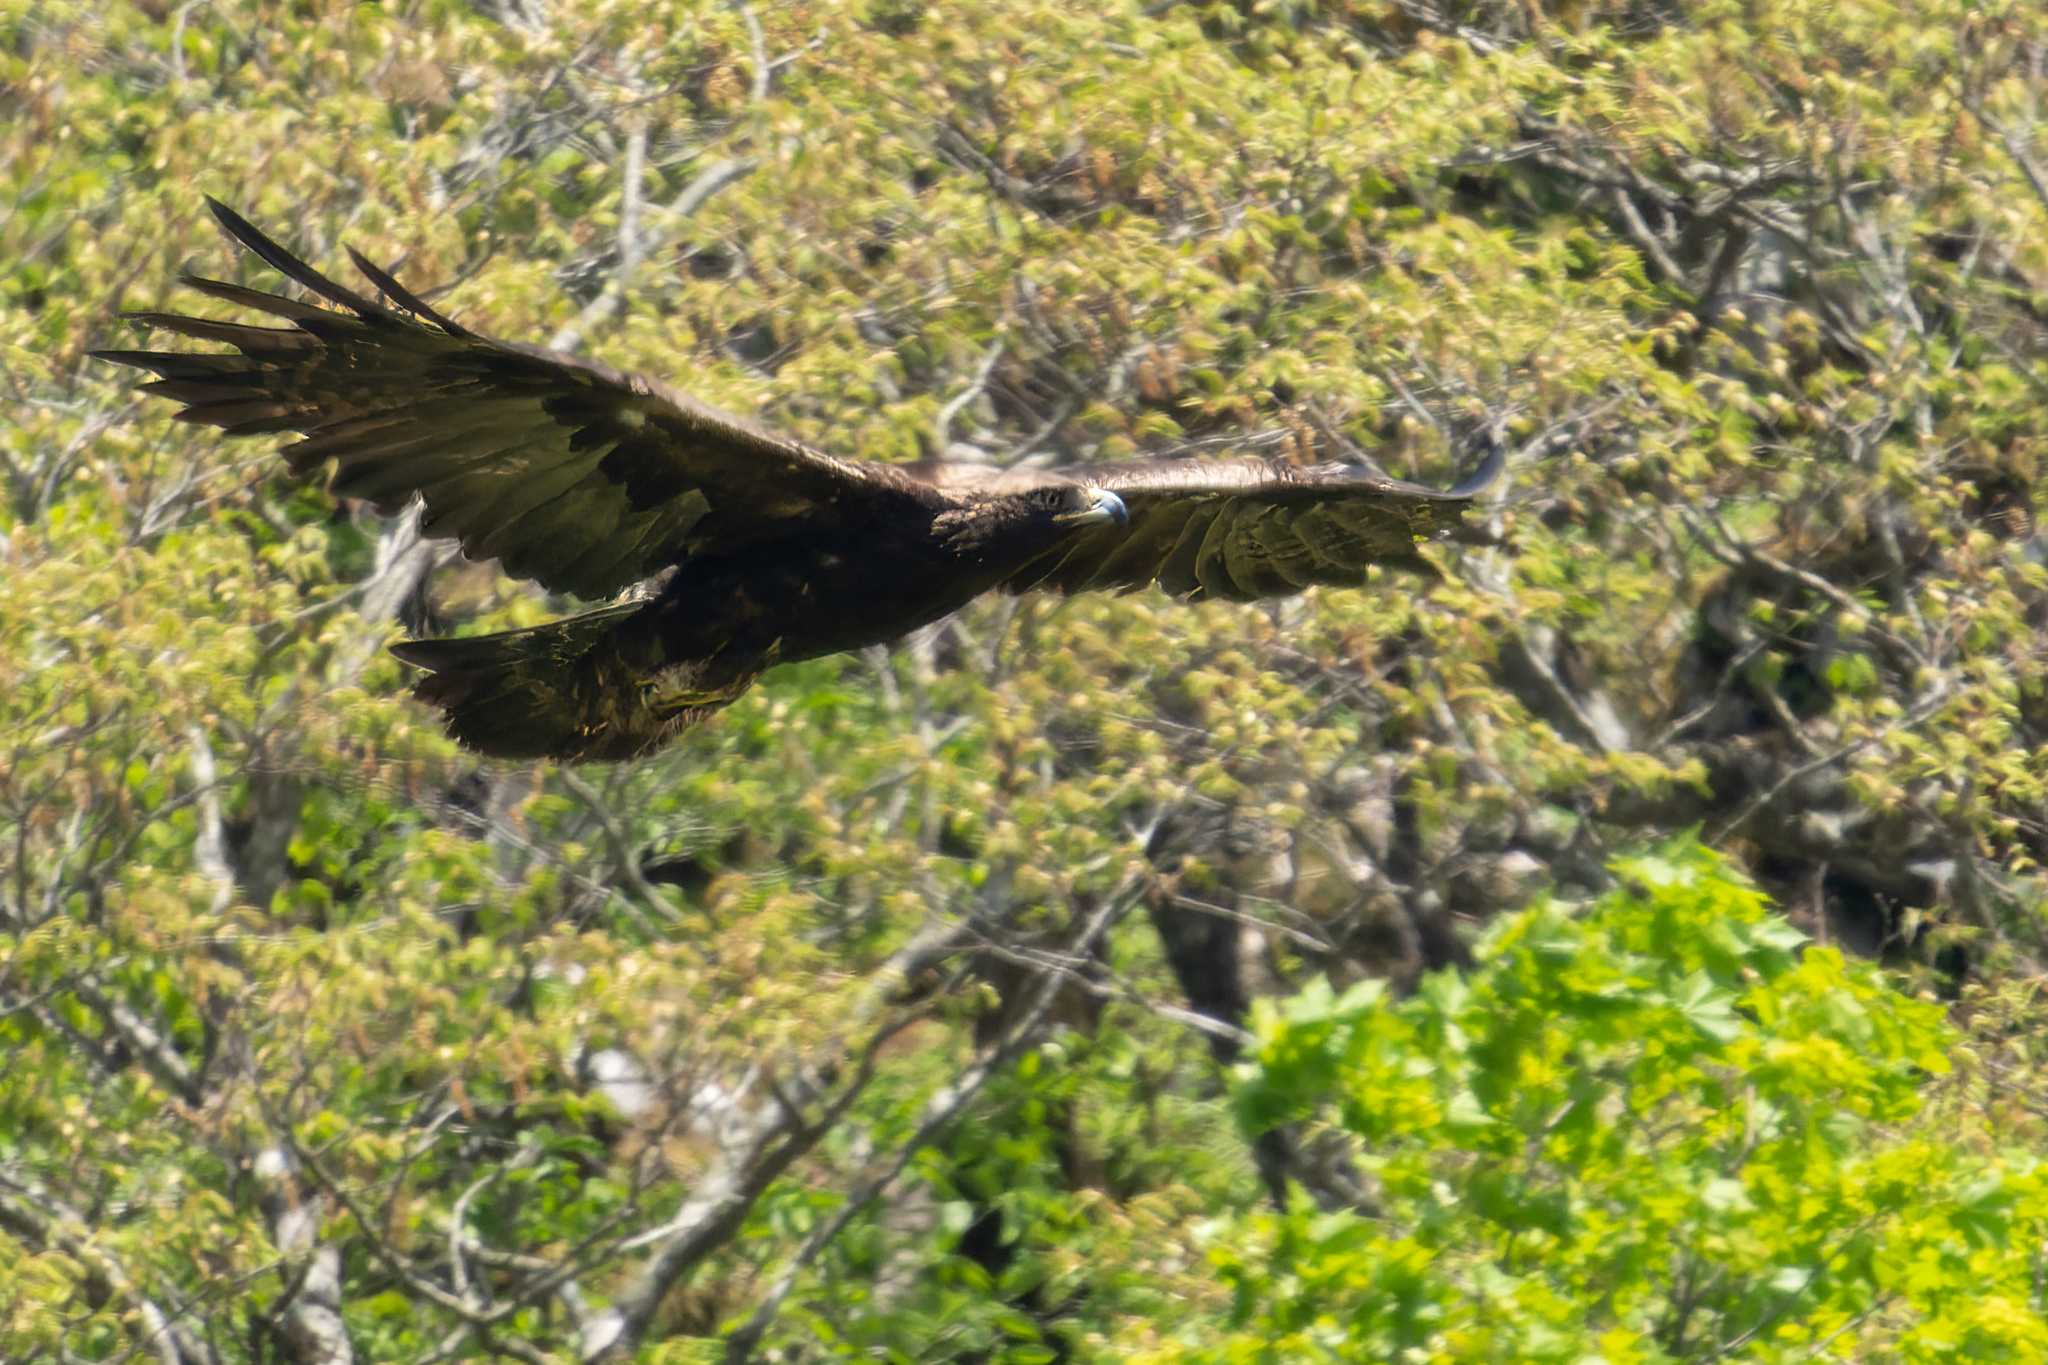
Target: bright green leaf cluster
{"x":1661,"y":1126}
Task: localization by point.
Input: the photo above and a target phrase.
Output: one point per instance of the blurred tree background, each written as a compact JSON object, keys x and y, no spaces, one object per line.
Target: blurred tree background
{"x":1101,"y":979}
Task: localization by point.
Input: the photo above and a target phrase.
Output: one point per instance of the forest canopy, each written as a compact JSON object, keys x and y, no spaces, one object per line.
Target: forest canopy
{"x":1622,"y":939}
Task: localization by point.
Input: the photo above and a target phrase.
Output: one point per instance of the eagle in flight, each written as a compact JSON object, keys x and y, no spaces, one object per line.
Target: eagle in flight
{"x":762,"y":549}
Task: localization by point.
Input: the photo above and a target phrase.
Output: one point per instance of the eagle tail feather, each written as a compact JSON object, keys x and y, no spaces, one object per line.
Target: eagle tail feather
{"x":565,"y":690}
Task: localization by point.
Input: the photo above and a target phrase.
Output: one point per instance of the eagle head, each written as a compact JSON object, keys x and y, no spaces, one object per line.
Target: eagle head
{"x":1083,"y":504}
{"x":1016,"y":526}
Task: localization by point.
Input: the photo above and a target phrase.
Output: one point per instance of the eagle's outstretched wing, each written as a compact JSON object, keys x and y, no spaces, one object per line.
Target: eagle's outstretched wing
{"x":575,"y":475}
{"x":1235,"y":529}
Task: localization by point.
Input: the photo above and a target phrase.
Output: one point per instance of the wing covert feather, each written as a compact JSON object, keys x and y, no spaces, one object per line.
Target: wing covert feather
{"x":1240,"y":529}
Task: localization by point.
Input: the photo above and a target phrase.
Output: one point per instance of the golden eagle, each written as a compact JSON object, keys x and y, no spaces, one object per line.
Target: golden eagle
{"x":589,"y":481}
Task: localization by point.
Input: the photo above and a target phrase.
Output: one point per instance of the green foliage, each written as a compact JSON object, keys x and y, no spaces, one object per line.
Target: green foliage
{"x":293,"y":995}
{"x":1661,"y":1126}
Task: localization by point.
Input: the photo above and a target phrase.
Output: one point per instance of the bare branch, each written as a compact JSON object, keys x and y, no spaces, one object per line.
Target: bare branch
{"x":763,"y":68}
{"x":623,"y":853}
{"x":940,"y":1112}
{"x":1921,"y":710}
{"x":309,"y":1313}
{"x":710,"y":181}
{"x":942,"y":425}
{"x":695,"y":195}
{"x":2015,"y":147}
{"x":403,"y":558}
{"x":776,"y":1138}
{"x":162,"y":1060}
{"x":210,"y":849}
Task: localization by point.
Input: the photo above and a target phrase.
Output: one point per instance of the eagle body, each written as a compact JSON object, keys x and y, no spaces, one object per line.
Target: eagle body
{"x":712,"y":627}
{"x":739,"y":547}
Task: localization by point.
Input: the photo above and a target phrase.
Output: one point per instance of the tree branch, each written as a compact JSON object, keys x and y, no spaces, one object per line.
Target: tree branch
{"x":778,"y":1136}
{"x":695,"y":195}
{"x":940,"y":1112}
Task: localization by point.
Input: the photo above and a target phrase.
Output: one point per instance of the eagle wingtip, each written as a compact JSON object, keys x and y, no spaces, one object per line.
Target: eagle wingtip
{"x":235,"y":225}
{"x":256,"y":241}
{"x":405,"y":298}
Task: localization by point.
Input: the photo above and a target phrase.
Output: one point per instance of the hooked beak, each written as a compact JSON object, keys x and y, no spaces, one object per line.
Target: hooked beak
{"x":1104,"y":506}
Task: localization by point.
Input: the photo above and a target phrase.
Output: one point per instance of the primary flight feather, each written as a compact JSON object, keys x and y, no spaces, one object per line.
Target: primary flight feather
{"x":590,"y":481}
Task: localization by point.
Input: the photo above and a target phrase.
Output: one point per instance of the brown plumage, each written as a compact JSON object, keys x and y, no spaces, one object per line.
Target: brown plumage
{"x":590,"y":481}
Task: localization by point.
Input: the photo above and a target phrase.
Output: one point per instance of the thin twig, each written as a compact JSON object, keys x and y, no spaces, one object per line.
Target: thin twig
{"x":714,"y":178}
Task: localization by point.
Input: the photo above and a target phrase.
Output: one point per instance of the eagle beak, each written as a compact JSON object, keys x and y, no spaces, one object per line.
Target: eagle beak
{"x":1104,"y":506}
